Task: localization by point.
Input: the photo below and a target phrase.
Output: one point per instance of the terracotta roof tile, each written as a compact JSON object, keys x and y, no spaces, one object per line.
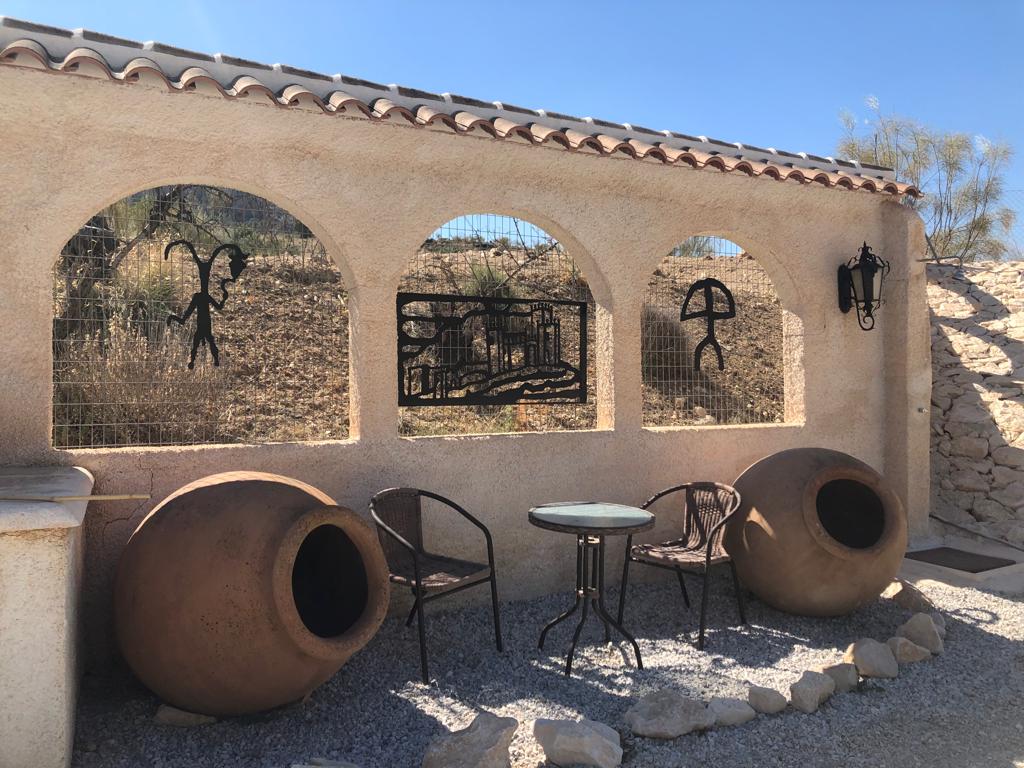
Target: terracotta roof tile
{"x":340,"y":101}
{"x":143,"y":70}
{"x":469,"y":102}
{"x":30,"y":26}
{"x":364,"y":83}
{"x":684,"y":137}
{"x":99,"y":37}
{"x":815,"y":157}
{"x":431,"y":117}
{"x":175,"y":51}
{"x":303,"y":73}
{"x":509,"y":129}
{"x":648,"y":151}
{"x":723,"y":144}
{"x":874,"y":167}
{"x":610,"y":145}
{"x":198,"y":80}
{"x":545,"y":133}
{"x":520,"y":110}
{"x":582,"y":141}
{"x":385,"y":109}
{"x":247,"y":86}
{"x":26,"y":53}
{"x":418,"y":94}
{"x":40,"y":47}
{"x":300,"y":96}
{"x":641,"y":129}
{"x":467,"y":121}
{"x":84,"y":61}
{"x":236,"y":62}
{"x":559,"y":116}
{"x":603,"y":123}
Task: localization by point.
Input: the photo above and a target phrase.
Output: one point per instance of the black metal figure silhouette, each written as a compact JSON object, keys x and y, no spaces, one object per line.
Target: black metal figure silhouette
{"x":203,"y":301}
{"x":708,"y":285}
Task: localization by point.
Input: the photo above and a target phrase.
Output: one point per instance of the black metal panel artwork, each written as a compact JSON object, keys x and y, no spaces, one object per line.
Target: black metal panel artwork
{"x":202,"y":301}
{"x":481,"y":350}
{"x":708,"y":286}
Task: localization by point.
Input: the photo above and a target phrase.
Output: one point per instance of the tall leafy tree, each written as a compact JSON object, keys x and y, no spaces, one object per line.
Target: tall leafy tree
{"x":960,"y":175}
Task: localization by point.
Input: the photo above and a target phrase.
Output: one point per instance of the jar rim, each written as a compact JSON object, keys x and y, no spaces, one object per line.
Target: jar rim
{"x":892,"y":510}
{"x":340,"y":647}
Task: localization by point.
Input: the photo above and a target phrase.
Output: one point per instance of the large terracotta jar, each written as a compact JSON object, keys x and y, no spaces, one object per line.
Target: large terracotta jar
{"x":244,"y":591}
{"x":819,"y":532}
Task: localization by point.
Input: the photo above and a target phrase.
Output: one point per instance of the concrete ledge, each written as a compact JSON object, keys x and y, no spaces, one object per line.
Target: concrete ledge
{"x":42,"y":481}
{"x":40,"y":583}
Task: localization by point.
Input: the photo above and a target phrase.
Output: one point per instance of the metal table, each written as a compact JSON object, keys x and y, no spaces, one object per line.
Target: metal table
{"x":590,"y":522}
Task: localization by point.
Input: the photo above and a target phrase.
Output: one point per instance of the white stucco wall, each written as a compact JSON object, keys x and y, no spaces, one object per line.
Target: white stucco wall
{"x":40,"y":584}
{"x":372,"y":192}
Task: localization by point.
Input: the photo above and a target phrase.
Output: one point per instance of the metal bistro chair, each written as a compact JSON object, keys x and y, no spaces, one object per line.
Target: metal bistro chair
{"x":707,"y":507}
{"x":398,"y":514}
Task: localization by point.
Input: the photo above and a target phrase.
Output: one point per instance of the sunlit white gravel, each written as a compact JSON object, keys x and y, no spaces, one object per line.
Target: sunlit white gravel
{"x":964,"y":708}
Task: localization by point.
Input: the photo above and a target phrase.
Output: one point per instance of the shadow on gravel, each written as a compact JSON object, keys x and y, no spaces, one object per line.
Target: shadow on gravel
{"x":960,"y":709}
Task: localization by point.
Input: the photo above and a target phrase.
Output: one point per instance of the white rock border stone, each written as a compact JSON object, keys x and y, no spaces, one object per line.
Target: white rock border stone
{"x":667,"y":714}
{"x":578,"y":742}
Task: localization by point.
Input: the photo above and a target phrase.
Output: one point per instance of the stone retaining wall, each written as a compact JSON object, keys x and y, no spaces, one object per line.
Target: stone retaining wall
{"x":977,"y":439}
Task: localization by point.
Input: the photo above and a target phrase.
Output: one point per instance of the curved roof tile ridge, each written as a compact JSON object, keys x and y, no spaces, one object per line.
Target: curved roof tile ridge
{"x":93,"y":54}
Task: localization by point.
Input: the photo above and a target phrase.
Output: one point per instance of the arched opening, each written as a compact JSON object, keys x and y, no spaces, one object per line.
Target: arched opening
{"x":264,"y":327}
{"x":329,"y":582}
{"x":851,"y":513}
{"x":514,"y":340}
{"x":711,"y":338}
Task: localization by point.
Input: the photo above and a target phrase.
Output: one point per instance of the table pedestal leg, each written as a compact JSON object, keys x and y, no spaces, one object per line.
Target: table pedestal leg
{"x":590,"y":593}
{"x":579,"y":596}
{"x":606,"y":617}
{"x":597,"y":579}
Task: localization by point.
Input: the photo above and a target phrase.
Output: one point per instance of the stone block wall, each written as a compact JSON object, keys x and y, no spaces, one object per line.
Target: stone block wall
{"x":977,"y":437}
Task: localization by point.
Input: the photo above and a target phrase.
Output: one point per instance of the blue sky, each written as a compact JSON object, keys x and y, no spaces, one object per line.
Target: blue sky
{"x":771,"y":74}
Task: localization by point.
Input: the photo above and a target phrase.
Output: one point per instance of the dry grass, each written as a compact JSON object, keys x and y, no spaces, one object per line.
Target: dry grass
{"x":128,"y":390}
{"x":750,"y":389}
{"x":283,"y":339}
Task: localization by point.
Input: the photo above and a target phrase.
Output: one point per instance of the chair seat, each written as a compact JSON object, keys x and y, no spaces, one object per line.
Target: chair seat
{"x":440,"y":573}
{"x":676,"y":555}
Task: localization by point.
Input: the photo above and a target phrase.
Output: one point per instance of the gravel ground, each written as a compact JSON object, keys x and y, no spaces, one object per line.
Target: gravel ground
{"x":963,"y":708}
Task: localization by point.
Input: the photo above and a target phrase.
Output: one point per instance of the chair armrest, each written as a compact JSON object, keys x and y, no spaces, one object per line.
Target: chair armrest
{"x":391,"y":531}
{"x":665,"y":492}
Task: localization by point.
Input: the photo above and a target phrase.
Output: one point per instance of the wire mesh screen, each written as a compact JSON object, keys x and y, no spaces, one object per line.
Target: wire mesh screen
{"x":500,"y":256}
{"x":120,"y":367}
{"x":750,"y":388}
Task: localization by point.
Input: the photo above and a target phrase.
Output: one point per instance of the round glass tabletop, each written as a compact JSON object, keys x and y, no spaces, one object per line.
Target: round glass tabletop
{"x":590,"y":516}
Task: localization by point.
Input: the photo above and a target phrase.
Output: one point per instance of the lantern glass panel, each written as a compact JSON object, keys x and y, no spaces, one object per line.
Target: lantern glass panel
{"x":856,"y":283}
{"x":877,"y":293}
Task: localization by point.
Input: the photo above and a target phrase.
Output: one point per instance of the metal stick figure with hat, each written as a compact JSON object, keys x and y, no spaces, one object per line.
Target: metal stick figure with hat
{"x":708,"y":285}
{"x":203,"y":301}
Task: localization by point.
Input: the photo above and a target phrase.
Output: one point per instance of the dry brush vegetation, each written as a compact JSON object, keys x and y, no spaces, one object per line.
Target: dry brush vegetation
{"x":750,"y":388}
{"x":120,"y":370}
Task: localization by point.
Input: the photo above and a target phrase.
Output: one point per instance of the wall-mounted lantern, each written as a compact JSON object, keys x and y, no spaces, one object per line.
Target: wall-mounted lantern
{"x":860,"y":286}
